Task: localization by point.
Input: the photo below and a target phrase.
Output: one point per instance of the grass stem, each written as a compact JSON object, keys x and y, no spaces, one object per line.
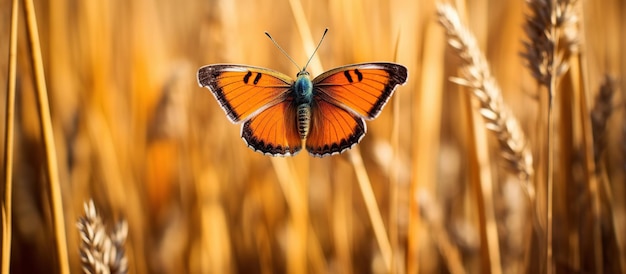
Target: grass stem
{"x":48,"y":139}
{"x":7,"y":205}
{"x":372,"y":206}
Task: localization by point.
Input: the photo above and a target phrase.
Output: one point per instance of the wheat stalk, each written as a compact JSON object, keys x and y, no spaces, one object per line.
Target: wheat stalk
{"x":433,"y":217}
{"x":101,"y":253}
{"x":498,"y":117}
{"x":552,"y":38}
{"x":600,"y":114}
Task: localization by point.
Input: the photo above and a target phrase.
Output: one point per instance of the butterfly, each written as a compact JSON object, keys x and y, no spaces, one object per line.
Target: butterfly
{"x":280,"y":114}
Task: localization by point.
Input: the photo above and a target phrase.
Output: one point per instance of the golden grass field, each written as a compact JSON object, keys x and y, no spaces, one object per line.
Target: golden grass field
{"x":451,"y":178}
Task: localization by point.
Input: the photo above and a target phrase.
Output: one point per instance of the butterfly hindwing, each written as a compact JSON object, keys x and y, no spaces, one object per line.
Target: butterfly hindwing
{"x":362,"y":88}
{"x":243,"y":91}
{"x":333,"y":129}
{"x":273,"y":131}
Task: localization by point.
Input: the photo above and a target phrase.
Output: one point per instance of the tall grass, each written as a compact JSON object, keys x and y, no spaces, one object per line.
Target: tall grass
{"x":452,"y":177}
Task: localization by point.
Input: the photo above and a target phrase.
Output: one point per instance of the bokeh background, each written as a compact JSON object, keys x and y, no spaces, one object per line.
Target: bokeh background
{"x":135,"y":133}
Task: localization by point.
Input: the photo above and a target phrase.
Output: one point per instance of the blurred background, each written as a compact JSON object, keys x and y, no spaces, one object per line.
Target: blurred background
{"x":135,"y":133}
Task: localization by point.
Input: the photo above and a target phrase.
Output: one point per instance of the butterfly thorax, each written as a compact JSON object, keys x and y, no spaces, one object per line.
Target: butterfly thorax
{"x":303,"y":93}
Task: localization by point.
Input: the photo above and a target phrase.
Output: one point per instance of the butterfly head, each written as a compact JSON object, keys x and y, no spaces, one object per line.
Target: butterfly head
{"x":303,"y":73}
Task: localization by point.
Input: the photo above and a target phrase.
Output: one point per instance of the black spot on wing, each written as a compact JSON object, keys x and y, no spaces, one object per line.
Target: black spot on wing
{"x":246,"y":78}
{"x":359,"y":75}
{"x":348,"y":76}
{"x":257,"y":78}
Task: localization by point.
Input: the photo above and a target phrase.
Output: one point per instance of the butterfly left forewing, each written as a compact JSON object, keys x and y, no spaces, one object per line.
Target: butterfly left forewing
{"x":243,"y":91}
{"x":361,"y":88}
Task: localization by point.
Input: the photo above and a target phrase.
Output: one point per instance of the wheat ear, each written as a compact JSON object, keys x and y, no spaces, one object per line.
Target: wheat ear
{"x":100,"y":252}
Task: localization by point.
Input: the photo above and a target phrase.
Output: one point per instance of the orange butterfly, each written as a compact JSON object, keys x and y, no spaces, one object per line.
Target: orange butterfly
{"x":280,"y":114}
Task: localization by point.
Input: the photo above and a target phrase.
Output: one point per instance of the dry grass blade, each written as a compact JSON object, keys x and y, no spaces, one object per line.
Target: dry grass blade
{"x":7,"y":203}
{"x":600,"y":114}
{"x":45,"y":121}
{"x":295,"y":192}
{"x":427,"y":119}
{"x":498,"y":117}
{"x":372,"y":206}
{"x":6,"y":246}
{"x":99,"y":252}
{"x":393,"y":178}
{"x":433,"y":216}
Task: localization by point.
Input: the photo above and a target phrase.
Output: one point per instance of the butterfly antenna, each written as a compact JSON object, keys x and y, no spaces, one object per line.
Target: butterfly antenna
{"x":318,"y":46}
{"x":281,"y":49}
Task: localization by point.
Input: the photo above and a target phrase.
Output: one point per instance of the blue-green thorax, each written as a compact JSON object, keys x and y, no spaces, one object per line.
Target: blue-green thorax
{"x":303,"y":92}
{"x":303,"y":88}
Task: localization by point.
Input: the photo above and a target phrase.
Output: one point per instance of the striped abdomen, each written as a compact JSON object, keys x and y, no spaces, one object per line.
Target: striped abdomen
{"x":304,"y":120}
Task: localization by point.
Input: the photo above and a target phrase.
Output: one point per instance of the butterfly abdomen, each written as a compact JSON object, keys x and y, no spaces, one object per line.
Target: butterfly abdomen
{"x":304,"y":120}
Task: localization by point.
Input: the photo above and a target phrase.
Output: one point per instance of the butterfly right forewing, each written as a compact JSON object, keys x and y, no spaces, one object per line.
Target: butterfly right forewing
{"x":361,"y":88}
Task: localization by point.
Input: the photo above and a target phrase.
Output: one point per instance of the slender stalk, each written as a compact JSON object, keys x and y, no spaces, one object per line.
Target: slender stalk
{"x":296,"y":197}
{"x":7,"y":205}
{"x":305,"y":35}
{"x":48,"y":139}
{"x":482,"y":186}
{"x":550,"y":183}
{"x":394,"y":187}
{"x":6,"y":248}
{"x":600,"y":114}
{"x":433,"y":217}
{"x":426,"y":121}
{"x":372,"y":206}
{"x":393,"y":177}
{"x":553,"y":66}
